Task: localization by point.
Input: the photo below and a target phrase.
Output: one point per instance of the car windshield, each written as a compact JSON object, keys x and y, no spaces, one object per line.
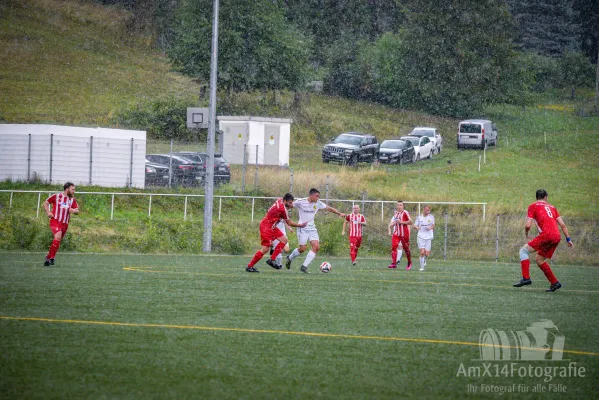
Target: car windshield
{"x":470,"y":128}
{"x":392,"y":144}
{"x":423,"y":132}
{"x":414,"y":140}
{"x":348,"y":139}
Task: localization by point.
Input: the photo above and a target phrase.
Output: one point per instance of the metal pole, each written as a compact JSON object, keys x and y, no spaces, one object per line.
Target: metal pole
{"x":291,"y":180}
{"x":418,"y":208}
{"x":479,"y":157}
{"x":170,"y":166}
{"x":39,"y":198}
{"x":185,"y":210}
{"x":150,"y":207}
{"x":243,"y":169}
{"x":220,"y":206}
{"x":382,"y":211}
{"x":10,"y":202}
{"x":497,"y":241}
{"x":326,"y":197}
{"x":484,"y":212}
{"x":485,"y":155}
{"x":91,"y":156}
{"x":209,"y":192}
{"x":445,"y":239}
{"x":51,"y":148}
{"x":29,"y":157}
{"x":112,"y":207}
{"x":131,"y":166}
{"x":363,"y":201}
{"x":253,"y":201}
{"x":256,"y":176}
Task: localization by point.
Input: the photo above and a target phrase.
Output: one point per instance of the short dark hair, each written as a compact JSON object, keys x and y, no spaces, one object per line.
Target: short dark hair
{"x":400,"y":201}
{"x":68,"y":185}
{"x":313,"y":191}
{"x":541,"y":194}
{"x":288,"y":196}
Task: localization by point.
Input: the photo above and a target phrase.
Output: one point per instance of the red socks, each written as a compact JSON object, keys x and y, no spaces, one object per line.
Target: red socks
{"x":548,"y":273}
{"x":278,"y":249}
{"x":525,"y":264}
{"x":53,"y":249}
{"x":257,"y":257}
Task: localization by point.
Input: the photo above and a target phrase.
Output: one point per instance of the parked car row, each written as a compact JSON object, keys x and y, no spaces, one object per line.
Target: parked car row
{"x":184,"y":169}
{"x":423,"y":142}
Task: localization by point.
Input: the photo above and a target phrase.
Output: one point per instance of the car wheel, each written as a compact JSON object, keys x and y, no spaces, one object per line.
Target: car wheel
{"x":353,"y":161}
{"x":324,"y":160}
{"x":400,"y":160}
{"x":439,"y":150}
{"x":484,"y":145}
{"x":459,"y":147}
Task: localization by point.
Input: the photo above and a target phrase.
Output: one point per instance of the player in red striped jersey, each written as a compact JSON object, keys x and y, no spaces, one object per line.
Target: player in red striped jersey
{"x":547,"y":219}
{"x":59,"y":208}
{"x":270,"y":232}
{"x":400,"y":223}
{"x":356,"y":222}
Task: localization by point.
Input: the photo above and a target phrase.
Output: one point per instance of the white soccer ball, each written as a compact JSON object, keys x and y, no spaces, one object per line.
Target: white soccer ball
{"x":325,"y":267}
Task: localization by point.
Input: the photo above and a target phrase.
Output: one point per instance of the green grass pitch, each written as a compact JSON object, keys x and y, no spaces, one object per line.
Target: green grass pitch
{"x":141,"y":326}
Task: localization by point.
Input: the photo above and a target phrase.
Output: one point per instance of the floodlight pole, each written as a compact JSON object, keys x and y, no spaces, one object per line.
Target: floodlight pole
{"x":209,"y":194}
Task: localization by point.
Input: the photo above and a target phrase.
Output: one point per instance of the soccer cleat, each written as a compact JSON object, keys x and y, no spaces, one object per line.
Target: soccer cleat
{"x":523,"y":282}
{"x":47,"y":262}
{"x":392,"y":265}
{"x":51,"y":261}
{"x":353,"y":263}
{"x":425,"y":262}
{"x":554,"y":287}
{"x":304,"y":269}
{"x":287,"y":262}
{"x":273,"y":264}
{"x":421,"y":268}
{"x":251,"y":269}
{"x":409,"y":267}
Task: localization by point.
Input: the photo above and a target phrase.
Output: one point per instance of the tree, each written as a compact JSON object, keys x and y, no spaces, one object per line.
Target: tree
{"x":258,"y":48}
{"x":576,"y":70}
{"x":547,"y":27}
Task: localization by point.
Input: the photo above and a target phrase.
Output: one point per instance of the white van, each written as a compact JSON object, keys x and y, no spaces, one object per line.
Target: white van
{"x":476,"y":133}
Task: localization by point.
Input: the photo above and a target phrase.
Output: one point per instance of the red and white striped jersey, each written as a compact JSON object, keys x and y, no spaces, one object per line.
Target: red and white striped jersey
{"x":60,"y":205}
{"x":355,"y":228}
{"x":401,"y":229}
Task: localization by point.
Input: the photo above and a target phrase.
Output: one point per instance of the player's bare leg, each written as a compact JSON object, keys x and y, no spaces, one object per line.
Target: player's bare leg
{"x":53,"y":249}
{"x":279,"y":259}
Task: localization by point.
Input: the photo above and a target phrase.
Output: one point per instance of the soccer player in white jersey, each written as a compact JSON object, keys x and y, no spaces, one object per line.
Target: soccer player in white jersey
{"x":425,"y":224}
{"x":307,"y":209}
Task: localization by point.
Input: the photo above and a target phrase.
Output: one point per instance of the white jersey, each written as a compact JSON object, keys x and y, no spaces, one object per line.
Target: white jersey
{"x":282,"y":227}
{"x":425,"y":224}
{"x":307,"y":211}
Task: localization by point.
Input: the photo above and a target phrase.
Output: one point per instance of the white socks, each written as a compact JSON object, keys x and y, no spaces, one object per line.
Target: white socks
{"x":279,"y":259}
{"x":294,"y":254}
{"x":309,"y":258}
{"x":399,"y":254}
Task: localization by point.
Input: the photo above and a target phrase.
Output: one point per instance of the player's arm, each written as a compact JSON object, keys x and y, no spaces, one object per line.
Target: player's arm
{"x":527,"y":226}
{"x":75,"y":208}
{"x":363,"y":222}
{"x":343,"y":229}
{"x":47,"y":209}
{"x":391,"y":225}
{"x":291,"y":223}
{"x":562,"y":225}
{"x":334,"y":211}
{"x":417,"y":224}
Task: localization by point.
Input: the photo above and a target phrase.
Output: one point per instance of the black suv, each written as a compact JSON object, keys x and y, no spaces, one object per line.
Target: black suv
{"x":350,"y":148}
{"x":186,"y":172}
{"x":222,"y":170}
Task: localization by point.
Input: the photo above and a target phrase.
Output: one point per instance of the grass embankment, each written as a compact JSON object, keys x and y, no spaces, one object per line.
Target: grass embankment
{"x":76,"y":63}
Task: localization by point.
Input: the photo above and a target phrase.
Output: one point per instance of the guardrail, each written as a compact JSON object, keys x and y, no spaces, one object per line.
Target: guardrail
{"x":252,"y":198}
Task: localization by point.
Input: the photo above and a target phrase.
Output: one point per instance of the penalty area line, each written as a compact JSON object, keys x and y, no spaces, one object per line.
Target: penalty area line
{"x":280,"y":332}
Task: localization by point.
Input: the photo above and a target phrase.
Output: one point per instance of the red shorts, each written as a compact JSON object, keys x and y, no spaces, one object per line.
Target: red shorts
{"x":355,"y":241}
{"x":405,"y":241}
{"x":269,"y":233}
{"x":57,"y":226}
{"x":545,"y":245}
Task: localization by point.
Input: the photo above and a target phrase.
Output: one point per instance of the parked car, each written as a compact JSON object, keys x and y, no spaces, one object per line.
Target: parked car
{"x":186,"y":172}
{"x":396,"y":151}
{"x":423,"y":147}
{"x":350,"y":148}
{"x":222,"y":169}
{"x":156,"y":174}
{"x":477,"y":133}
{"x":432,"y":134}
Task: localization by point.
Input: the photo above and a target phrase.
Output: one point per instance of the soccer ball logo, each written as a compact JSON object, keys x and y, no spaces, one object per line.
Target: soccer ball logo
{"x":325,"y":267}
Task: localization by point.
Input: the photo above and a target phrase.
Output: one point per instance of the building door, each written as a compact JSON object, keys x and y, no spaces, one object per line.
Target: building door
{"x":272,"y":135}
{"x":235,"y":137}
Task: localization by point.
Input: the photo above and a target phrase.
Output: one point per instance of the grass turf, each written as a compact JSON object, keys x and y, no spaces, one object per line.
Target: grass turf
{"x":200,"y":327}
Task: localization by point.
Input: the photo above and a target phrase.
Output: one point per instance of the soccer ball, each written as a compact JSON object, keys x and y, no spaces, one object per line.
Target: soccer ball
{"x":325,"y":267}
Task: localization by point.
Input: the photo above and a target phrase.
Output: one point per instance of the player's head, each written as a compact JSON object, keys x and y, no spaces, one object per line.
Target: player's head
{"x":69,"y":189}
{"x":541,"y":194}
{"x":314,"y":194}
{"x":426,"y":210}
{"x":288,"y":200}
{"x":356,"y":209}
{"x":399,"y":205}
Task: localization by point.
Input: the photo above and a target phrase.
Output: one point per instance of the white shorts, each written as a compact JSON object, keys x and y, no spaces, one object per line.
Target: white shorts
{"x":425,"y":244}
{"x":282,"y":229}
{"x":305,"y":235}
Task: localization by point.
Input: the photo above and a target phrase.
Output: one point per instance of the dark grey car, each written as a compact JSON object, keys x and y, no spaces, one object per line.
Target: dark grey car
{"x":396,"y":151}
{"x":222,"y":169}
{"x":186,"y":172}
{"x":351,"y":148}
